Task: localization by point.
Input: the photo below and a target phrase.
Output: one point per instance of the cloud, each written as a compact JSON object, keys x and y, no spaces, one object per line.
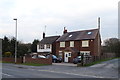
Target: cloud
{"x":33,"y":15}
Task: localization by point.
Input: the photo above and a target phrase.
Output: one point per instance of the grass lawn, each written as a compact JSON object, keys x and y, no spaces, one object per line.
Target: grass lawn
{"x":34,"y":64}
{"x":96,"y":62}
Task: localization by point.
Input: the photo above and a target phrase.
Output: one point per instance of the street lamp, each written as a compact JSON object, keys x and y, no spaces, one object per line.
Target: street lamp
{"x":15,"y":41}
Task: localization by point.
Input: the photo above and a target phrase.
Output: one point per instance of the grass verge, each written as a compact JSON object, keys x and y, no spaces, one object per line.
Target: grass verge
{"x":34,"y":64}
{"x":28,"y":64}
{"x":5,"y":62}
{"x":96,"y":62}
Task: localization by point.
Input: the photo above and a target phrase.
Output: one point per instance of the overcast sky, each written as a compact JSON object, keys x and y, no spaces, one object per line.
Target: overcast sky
{"x":75,"y":15}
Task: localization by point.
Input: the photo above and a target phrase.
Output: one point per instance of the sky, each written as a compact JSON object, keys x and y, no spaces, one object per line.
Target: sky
{"x":33,"y":15}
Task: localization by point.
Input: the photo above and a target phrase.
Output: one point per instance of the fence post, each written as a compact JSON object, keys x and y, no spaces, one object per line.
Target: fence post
{"x":23,"y":59}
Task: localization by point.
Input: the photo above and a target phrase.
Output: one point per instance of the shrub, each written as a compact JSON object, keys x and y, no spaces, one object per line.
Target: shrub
{"x":8,"y":54}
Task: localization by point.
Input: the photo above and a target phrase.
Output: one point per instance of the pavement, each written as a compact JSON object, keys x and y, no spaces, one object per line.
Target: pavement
{"x":108,"y":69}
{"x":65,"y":64}
{"x":108,"y":64}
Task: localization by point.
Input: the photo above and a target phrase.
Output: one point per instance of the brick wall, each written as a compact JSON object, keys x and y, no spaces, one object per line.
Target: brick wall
{"x":38,"y":60}
{"x":11,"y":60}
{"x":29,"y":60}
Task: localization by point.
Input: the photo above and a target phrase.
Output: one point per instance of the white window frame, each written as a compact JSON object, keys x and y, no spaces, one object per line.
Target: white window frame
{"x":62,"y":44}
{"x":69,"y":54}
{"x":85,"y":43}
{"x":85,"y":52}
{"x":48,"y":46}
{"x":71,"y":43}
{"x":41,"y":46}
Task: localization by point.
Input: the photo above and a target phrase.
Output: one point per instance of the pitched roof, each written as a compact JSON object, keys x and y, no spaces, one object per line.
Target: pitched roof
{"x":49,"y":40}
{"x":79,"y":35}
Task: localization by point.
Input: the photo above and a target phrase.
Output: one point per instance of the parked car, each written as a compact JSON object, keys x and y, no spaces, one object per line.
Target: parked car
{"x":34,"y":57}
{"x":39,"y":56}
{"x":77,"y":60}
{"x":55,"y":59}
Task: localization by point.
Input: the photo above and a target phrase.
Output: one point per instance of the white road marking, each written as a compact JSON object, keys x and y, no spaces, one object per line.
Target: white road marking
{"x":72,"y":74}
{"x":6,"y":74}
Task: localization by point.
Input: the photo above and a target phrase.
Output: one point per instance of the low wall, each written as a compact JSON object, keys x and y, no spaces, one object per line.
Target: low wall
{"x":28,"y":60}
{"x":38,"y":60}
{"x":11,"y":60}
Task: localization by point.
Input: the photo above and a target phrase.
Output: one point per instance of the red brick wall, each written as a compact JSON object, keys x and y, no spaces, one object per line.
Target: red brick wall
{"x":38,"y":60}
{"x":11,"y":60}
{"x":77,"y":44}
{"x":54,"y":48}
{"x":73,"y":55}
{"x":93,"y":47}
{"x":29,"y":60}
{"x":97,"y":48}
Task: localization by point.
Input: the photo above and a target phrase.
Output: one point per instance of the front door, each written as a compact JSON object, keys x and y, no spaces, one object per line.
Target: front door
{"x":66,"y":57}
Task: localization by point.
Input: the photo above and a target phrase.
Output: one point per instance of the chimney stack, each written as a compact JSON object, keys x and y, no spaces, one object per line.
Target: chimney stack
{"x":43,"y":35}
{"x":65,"y":31}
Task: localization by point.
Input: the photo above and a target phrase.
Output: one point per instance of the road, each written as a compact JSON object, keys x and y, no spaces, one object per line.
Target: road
{"x":17,"y":71}
{"x":61,"y":71}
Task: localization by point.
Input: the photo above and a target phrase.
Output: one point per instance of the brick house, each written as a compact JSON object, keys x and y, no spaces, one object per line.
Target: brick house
{"x":47,"y":45}
{"x":72,"y":44}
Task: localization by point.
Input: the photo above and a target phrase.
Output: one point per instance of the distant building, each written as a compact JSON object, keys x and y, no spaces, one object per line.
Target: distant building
{"x":72,"y":44}
{"x":47,"y":45}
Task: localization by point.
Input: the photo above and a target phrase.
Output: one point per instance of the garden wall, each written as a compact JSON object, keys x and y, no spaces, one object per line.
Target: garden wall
{"x":11,"y":60}
{"x":38,"y":60}
{"x":28,"y":60}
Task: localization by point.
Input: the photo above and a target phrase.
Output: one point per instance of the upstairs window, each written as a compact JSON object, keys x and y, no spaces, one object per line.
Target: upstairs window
{"x":48,"y":46}
{"x":85,"y":43}
{"x":62,"y":44}
{"x":41,"y":46}
{"x":71,"y":43}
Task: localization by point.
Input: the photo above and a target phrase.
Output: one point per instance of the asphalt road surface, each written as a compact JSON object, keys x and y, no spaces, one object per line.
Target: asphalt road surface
{"x":107,"y":69}
{"x":16,"y":71}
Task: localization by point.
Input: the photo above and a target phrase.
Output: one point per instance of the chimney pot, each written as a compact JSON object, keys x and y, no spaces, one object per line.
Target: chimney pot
{"x":65,"y":31}
{"x":43,"y":35}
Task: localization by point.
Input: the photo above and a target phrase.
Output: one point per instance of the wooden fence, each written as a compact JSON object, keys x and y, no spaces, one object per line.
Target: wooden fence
{"x":90,"y":59}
